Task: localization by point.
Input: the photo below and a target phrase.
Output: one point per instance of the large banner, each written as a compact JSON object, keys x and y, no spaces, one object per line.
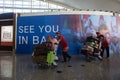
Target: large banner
{"x":32,"y":30}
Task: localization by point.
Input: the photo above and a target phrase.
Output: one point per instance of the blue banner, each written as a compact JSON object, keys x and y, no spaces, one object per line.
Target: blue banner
{"x":32,"y":30}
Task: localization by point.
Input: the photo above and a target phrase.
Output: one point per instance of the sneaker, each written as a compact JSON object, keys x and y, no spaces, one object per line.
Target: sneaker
{"x":100,"y":58}
{"x":54,"y":63}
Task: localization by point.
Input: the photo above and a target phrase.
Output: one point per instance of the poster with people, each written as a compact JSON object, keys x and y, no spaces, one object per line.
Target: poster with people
{"x":32,"y":30}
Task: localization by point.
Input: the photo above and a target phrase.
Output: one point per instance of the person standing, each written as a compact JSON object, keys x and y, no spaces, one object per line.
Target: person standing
{"x":105,"y":46}
{"x":100,"y":41}
{"x":63,"y":43}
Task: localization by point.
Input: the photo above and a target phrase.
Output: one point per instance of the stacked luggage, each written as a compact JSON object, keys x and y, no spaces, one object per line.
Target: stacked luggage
{"x":91,"y":47}
{"x":86,"y":49}
{"x":43,"y":54}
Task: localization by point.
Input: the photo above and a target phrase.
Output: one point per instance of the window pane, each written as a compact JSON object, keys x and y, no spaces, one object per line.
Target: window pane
{"x":22,"y":6}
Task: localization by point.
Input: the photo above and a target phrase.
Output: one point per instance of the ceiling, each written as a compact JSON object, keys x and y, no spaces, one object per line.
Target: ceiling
{"x":92,"y":5}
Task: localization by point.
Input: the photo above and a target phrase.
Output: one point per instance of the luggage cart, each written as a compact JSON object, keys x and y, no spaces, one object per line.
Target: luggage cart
{"x":43,"y":55}
{"x":91,"y":49}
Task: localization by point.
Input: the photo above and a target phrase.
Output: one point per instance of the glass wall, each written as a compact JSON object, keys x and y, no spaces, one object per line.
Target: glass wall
{"x":27,"y":6}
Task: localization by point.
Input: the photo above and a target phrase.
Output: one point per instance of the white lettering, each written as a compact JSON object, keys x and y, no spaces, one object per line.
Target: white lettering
{"x":43,"y":39}
{"x":31,"y":29}
{"x":20,"y":29}
{"x":35,"y":39}
{"x":55,"y":28}
{"x":23,"y":39}
{"x":26,"y":29}
{"x":47,"y":28}
{"x":41,"y":28}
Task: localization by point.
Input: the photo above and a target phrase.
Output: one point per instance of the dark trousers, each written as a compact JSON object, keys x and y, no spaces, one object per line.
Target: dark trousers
{"x":107,"y":51}
{"x":66,"y":56}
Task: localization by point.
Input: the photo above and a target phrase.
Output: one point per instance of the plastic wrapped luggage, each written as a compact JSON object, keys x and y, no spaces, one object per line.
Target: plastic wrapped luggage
{"x":87,"y":50}
{"x":91,"y":48}
{"x":43,"y":53}
{"x":39,"y":59}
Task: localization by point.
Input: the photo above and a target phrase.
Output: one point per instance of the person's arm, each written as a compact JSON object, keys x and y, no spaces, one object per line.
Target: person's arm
{"x":56,"y":42}
{"x":59,"y":39}
{"x":100,"y":44}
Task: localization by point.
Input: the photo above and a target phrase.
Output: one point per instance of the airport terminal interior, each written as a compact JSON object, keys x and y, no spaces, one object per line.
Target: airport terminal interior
{"x":26,"y":52}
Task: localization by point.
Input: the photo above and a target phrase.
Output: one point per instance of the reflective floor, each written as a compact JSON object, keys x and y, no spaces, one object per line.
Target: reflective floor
{"x":20,"y":67}
{"x":7,"y":66}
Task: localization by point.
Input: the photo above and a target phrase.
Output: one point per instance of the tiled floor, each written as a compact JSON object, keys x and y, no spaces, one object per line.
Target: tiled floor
{"x":7,"y":66}
{"x":20,"y":67}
